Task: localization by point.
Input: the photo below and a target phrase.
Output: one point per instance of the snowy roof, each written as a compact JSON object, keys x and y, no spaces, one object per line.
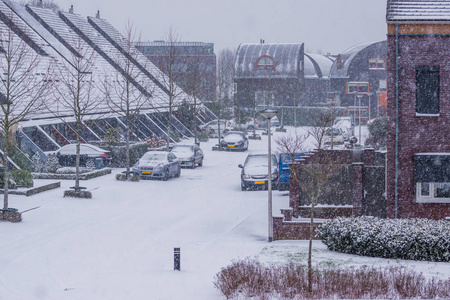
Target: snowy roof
{"x":348,"y":56}
{"x":287,"y":58}
{"x":54,"y":36}
{"x":317,"y":65}
{"x":418,"y":11}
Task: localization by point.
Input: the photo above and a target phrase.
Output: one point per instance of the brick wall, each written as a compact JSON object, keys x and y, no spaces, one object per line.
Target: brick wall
{"x":416,"y":134}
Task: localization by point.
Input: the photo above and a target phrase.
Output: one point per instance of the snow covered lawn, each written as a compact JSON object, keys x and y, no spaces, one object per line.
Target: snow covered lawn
{"x":119,"y":244}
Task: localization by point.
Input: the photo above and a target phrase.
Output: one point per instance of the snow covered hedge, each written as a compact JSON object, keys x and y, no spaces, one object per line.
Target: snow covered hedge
{"x":415,"y":239}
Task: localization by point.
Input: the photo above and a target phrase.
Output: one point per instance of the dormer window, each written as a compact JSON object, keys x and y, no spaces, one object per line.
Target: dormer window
{"x":265,"y":62}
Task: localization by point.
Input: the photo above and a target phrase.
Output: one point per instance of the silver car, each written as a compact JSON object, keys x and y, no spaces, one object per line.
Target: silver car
{"x":189,"y":155}
{"x":159,"y":165}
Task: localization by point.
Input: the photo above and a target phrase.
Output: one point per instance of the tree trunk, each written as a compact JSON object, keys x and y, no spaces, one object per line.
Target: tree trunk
{"x":311,"y":233}
{"x":5,"y":173}
{"x":127,"y":148}
{"x":77,"y":157}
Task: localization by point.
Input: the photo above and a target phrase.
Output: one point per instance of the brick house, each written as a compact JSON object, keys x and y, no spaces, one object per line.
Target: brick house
{"x":418,"y":110}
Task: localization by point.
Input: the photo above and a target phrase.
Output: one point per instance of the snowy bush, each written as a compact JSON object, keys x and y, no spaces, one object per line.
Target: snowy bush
{"x":37,"y":163}
{"x":22,"y":177}
{"x":155,"y":141}
{"x":251,"y":279}
{"x":415,"y":239}
{"x":52,"y":164}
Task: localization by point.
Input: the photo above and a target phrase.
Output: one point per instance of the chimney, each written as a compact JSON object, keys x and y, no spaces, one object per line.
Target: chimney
{"x":71,"y":9}
{"x":98,"y":14}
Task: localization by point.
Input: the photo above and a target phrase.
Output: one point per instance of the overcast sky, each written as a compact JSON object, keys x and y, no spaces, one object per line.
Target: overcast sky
{"x":326,"y":25}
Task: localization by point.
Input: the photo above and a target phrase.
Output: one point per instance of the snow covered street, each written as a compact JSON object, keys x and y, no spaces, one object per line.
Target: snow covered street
{"x":120,"y":243}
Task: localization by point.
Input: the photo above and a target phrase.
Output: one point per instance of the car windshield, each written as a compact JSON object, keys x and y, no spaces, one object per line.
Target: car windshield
{"x":154,"y":156}
{"x":335,"y":131}
{"x":259,"y":161}
{"x":183,"y":149}
{"x":234,"y":135}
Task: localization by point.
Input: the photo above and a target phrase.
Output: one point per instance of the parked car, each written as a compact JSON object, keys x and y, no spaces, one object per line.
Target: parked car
{"x":212,"y":127}
{"x":254,"y":174}
{"x":248,"y":124}
{"x":158,"y":164}
{"x":234,"y":140}
{"x":189,"y":155}
{"x":88,"y":154}
{"x":333,"y":134}
{"x":284,"y":162}
{"x":346,"y":124}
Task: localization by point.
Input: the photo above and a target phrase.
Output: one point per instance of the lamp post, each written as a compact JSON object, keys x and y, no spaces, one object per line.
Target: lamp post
{"x":359,"y":118}
{"x":269,"y":114}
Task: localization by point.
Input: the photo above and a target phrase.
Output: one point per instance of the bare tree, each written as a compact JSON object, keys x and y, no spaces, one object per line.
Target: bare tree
{"x":76,"y":94}
{"x":50,"y":4}
{"x":224,"y":83}
{"x":194,"y":85}
{"x":313,"y":177}
{"x":25,"y":72}
{"x":171,"y":63}
{"x":129,"y":92}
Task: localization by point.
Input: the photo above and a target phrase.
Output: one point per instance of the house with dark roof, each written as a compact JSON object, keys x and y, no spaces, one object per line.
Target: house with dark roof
{"x":418,"y":109}
{"x":279,"y":75}
{"x":358,"y":78}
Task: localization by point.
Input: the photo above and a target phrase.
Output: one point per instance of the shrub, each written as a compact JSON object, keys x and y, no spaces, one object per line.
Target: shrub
{"x":118,"y":154}
{"x":123,"y":177}
{"x":52,"y":164}
{"x":414,"y":239}
{"x":250,"y":279}
{"x":22,"y":178}
{"x":37,"y":163}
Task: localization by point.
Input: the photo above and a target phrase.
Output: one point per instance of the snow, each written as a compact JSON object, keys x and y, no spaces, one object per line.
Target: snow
{"x":120,"y":243}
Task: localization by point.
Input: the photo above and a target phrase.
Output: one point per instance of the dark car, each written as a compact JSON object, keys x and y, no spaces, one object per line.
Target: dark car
{"x":254,"y":174}
{"x":189,"y":155}
{"x":234,"y":140}
{"x":88,"y":155}
{"x":158,"y":164}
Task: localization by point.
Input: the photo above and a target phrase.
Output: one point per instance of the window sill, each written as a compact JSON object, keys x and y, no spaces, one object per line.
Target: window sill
{"x":433,"y":201}
{"x":427,"y":115}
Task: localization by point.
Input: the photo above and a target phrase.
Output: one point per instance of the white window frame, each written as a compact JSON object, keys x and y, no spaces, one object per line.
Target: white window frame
{"x":430,"y":198}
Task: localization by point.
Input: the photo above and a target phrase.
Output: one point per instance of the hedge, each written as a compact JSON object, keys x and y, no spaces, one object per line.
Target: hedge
{"x":413,"y":239}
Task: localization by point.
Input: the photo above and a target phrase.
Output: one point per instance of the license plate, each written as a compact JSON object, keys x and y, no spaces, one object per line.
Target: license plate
{"x":260,"y":182}
{"x":230,"y":146}
{"x":146,"y":172}
{"x":181,"y":162}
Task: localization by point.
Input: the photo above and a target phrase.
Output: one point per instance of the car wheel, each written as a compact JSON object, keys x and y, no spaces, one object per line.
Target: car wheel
{"x":178,"y":173}
{"x":243,"y":187}
{"x":90,"y":163}
{"x":200,"y":164}
{"x":166,"y":175}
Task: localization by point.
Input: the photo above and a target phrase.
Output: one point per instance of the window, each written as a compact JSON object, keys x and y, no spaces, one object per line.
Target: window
{"x":427,"y":90}
{"x":377,"y":64}
{"x":357,"y":88}
{"x":432,"y":177}
{"x":265,"y":62}
{"x":382,"y":85}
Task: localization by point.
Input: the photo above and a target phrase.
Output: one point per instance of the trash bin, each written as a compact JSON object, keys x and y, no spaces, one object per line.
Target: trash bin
{"x":99,"y":163}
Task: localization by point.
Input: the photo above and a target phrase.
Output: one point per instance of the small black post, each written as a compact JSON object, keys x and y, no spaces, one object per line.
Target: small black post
{"x":176,"y":259}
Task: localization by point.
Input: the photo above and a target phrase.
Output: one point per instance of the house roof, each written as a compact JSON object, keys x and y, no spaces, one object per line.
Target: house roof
{"x":349,"y":55}
{"x":418,"y":11}
{"x":287,"y":58}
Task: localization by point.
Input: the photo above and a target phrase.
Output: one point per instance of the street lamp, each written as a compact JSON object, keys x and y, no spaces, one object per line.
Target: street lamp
{"x":359,"y":118}
{"x":269,"y":114}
